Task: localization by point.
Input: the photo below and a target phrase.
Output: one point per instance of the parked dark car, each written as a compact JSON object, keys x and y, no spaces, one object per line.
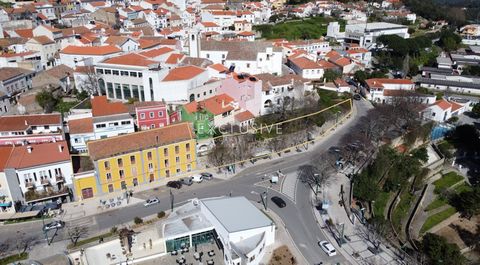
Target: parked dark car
{"x":279,"y":202}
{"x":357,"y":97}
{"x":174,"y":184}
{"x":54,"y":225}
{"x":207,"y":176}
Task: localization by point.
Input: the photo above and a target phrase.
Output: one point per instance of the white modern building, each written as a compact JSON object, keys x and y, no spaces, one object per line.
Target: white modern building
{"x":243,"y":56}
{"x":365,"y":34}
{"x":240,"y":229}
{"x":74,"y":56}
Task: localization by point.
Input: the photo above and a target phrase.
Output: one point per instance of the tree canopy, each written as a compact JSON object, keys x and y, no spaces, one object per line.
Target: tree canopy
{"x":439,"y":251}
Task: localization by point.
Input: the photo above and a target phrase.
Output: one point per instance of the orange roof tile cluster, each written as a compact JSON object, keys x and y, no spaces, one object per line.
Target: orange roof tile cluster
{"x":91,"y":50}
{"x":22,"y":158}
{"x":305,"y":63}
{"x":246,"y":34}
{"x":157,"y":52}
{"x":209,"y":24}
{"x":357,"y":50}
{"x":5,"y":152}
{"x":219,"y":67}
{"x":175,"y":58}
{"x":379,"y":82}
{"x":43,"y":40}
{"x":183,"y":73}
{"x":133,"y":59}
{"x":80,"y":126}
{"x":102,"y":107}
{"x":244,"y":116}
{"x":24,"y":33}
{"x":445,"y":105}
{"x":217,"y":105}
{"x":22,"y":122}
{"x":134,"y":142}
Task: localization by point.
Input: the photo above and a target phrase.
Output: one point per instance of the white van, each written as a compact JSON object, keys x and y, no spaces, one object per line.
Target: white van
{"x":197,"y":178}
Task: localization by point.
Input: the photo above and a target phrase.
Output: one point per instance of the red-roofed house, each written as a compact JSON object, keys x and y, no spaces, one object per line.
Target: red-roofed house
{"x":209,"y":27}
{"x":306,"y":68}
{"x":110,"y":118}
{"x":40,"y":177}
{"x":182,"y":83}
{"x":360,"y":55}
{"x":20,"y":129}
{"x":377,"y":86}
{"x":442,"y":110}
{"x":154,"y":114}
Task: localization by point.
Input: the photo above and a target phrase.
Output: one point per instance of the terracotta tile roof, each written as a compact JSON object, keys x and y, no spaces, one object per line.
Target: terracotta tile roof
{"x":213,"y":2}
{"x":22,"y":122}
{"x":21,"y":54}
{"x":43,"y":40}
{"x":183,"y":73}
{"x":97,"y":4}
{"x":246,"y":33}
{"x":7,"y":73}
{"x":157,"y":52}
{"x":133,"y":142}
{"x":133,"y":59}
{"x":209,"y":24}
{"x":91,"y":50}
{"x":381,"y":81}
{"x":117,"y":40}
{"x":326,"y":64}
{"x":51,"y":29}
{"x":145,"y":43}
{"x":80,"y":126}
{"x":443,"y":104}
{"x":21,"y":158}
{"x":343,"y":61}
{"x":244,"y":116}
{"x":340,"y":82}
{"x":333,"y":55}
{"x":217,"y":105}
{"x":102,"y":107}
{"x":24,"y":33}
{"x":455,"y":106}
{"x":60,"y":71}
{"x":175,"y":58}
{"x":357,"y":50}
{"x":5,"y":152}
{"x":84,"y":69}
{"x":75,"y":30}
{"x":219,"y":67}
{"x":223,"y":13}
{"x":304,"y":63}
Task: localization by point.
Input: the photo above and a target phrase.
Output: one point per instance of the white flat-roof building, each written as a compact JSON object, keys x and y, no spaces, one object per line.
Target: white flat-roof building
{"x":239,"y":229}
{"x":366,"y":33}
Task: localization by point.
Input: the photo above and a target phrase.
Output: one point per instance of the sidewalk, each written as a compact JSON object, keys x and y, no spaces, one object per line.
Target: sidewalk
{"x":355,"y":250}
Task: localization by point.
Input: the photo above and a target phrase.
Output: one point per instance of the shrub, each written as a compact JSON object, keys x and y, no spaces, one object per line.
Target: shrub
{"x":137,"y":220}
{"x":161,"y":214}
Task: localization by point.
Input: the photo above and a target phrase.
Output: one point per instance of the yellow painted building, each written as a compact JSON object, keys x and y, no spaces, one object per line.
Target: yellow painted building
{"x":129,"y":160}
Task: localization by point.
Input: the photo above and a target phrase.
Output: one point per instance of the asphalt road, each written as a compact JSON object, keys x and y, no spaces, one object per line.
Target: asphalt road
{"x":298,"y":217}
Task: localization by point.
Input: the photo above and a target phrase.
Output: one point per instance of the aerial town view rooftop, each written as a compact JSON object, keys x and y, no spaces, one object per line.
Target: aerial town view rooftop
{"x":239,"y":132}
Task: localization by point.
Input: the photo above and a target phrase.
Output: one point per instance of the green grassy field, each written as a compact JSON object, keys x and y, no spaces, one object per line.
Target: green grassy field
{"x":401,"y":211}
{"x":439,"y":202}
{"x":447,"y":181}
{"x":437,"y":218}
{"x":462,"y":188}
{"x":381,"y":203}
{"x":309,"y":28}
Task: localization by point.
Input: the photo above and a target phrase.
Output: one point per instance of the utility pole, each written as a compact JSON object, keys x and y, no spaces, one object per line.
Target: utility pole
{"x":171,"y":200}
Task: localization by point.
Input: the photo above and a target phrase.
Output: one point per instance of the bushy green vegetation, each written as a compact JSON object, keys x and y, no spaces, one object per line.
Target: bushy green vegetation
{"x":437,"y":218}
{"x":446,"y":181}
{"x":309,"y":28}
{"x":13,"y":258}
{"x":466,"y":202}
{"x":439,"y":251}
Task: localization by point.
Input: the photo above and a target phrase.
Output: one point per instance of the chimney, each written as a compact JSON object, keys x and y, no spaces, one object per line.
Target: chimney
{"x":60,"y":148}
{"x":29,"y":149}
{"x":26,"y":122}
{"x":156,"y":138}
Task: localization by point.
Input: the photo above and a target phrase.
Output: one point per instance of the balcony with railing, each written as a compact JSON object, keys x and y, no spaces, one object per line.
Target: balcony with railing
{"x":59,"y":178}
{"x":47,"y":194}
{"x":45,"y":182}
{"x":30,"y":185}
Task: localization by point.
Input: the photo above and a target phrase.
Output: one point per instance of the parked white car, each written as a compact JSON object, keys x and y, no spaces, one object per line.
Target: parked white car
{"x":151,"y":201}
{"x":197,"y":178}
{"x":328,"y":248}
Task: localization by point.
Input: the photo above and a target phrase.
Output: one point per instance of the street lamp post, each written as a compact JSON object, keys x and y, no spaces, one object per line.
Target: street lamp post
{"x":171,"y":200}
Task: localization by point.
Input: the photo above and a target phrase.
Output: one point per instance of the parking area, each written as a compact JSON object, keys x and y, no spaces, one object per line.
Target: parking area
{"x":203,"y":254}
{"x":164,"y":189}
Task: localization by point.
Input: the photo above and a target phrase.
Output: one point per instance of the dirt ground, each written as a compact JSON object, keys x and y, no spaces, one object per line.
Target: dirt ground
{"x":282,"y":256}
{"x":461,"y":231}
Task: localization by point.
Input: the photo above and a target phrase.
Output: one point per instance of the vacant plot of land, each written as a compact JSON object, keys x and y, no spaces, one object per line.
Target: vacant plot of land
{"x":282,"y":256}
{"x":437,"y":218}
{"x":310,"y":28}
{"x":447,"y":181}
